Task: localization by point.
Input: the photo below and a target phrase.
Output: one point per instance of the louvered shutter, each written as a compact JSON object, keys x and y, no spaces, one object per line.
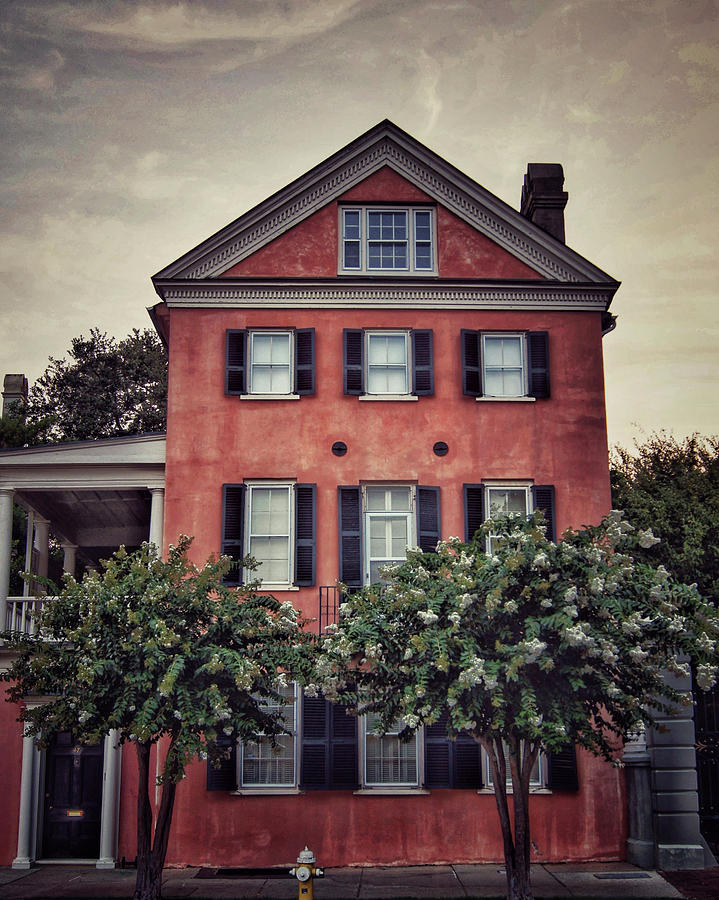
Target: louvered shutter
{"x":543,"y":498}
{"x":451,"y":764}
{"x":428,"y":527}
{"x":233,"y":524}
{"x":305,"y":534}
{"x":471,"y":363}
{"x":473,"y":509}
{"x":350,"y":536}
{"x":223,"y":778}
{"x":305,"y":361}
{"x":353,"y":361}
{"x":422,"y":363}
{"x":329,"y":746}
{"x":235,"y":362}
{"x":562,"y":770}
{"x":467,"y":768}
{"x":538,"y":355}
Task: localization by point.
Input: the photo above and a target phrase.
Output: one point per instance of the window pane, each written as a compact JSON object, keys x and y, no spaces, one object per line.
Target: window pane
{"x":396,"y":345}
{"x":376,"y":349}
{"x":375,"y":498}
{"x":261,"y":348}
{"x":422,"y":226}
{"x":399,"y":499}
{"x":352,"y":255}
{"x":399,"y":536}
{"x":492,"y":351}
{"x":423,"y":256}
{"x":512,"y":383}
{"x":503,"y":501}
{"x":396,"y":381}
{"x":511,"y":352}
{"x":377,"y":537}
{"x":374,"y":225}
{"x":352,"y":223}
{"x":389,"y":761}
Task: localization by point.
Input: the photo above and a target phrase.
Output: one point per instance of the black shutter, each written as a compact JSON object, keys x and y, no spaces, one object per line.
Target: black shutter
{"x":223,"y":778}
{"x":353,"y":361}
{"x":305,"y":534}
{"x":422,"y":363}
{"x":562,"y":770}
{"x":473,"y":509}
{"x":305,"y":361}
{"x":350,"y":535}
{"x":543,"y":497}
{"x":233,"y":526}
{"x":236,"y":366}
{"x":538,"y":353}
{"x":471,"y":363}
{"x":451,"y":764}
{"x":428,"y":527}
{"x":329,"y":746}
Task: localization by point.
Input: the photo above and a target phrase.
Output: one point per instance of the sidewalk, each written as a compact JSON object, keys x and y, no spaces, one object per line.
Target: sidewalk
{"x":611,"y":880}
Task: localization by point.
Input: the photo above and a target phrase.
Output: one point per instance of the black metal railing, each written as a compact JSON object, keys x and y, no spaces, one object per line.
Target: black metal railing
{"x":328,"y":606}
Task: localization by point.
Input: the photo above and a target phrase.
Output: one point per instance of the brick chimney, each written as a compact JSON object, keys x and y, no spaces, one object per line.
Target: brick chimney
{"x":543,"y":197}
{"x":14,"y":393}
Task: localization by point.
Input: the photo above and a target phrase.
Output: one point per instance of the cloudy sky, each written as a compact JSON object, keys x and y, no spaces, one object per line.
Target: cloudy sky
{"x":133,"y":130}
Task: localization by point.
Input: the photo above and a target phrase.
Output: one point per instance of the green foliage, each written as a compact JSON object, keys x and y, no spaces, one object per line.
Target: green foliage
{"x":104,"y":388}
{"x":155,"y":648}
{"x":15,"y":431}
{"x":673,"y":487}
{"x":540,"y":643}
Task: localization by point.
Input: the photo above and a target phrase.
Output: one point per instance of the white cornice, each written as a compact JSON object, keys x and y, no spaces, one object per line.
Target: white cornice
{"x":385,"y":145}
{"x":342,"y":295}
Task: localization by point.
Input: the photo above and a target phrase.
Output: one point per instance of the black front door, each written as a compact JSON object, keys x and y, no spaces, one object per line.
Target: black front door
{"x":73,"y":794}
{"x":706,"y":721}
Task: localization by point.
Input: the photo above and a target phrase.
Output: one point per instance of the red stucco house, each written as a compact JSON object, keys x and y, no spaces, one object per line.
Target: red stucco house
{"x":380,"y":354}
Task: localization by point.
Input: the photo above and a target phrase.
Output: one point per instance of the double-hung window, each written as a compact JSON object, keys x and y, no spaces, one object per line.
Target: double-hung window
{"x":393,"y":240}
{"x":389,"y":526}
{"x":505,"y":365}
{"x":388,"y":761}
{"x":506,"y":500}
{"x":269,"y":527}
{"x":265,"y":765}
{"x":388,"y":364}
{"x":493,"y":499}
{"x":270,"y":364}
{"x":535,"y":777}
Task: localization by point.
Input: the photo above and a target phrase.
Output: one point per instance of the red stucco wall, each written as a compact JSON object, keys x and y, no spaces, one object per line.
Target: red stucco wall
{"x":310,"y":249}
{"x":10,"y":772}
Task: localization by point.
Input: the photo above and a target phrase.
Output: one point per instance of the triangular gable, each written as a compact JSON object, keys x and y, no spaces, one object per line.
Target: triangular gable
{"x":309,"y":249}
{"x":384,"y":146}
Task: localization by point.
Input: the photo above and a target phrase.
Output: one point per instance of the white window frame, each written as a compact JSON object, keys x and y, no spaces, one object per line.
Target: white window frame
{"x":284,"y":332}
{"x":251,"y":487}
{"x":505,"y":486}
{"x":410,"y":515}
{"x":537,"y":783}
{"x":265,"y":744}
{"x":368,"y":335}
{"x":411,"y":240}
{"x":391,"y":786}
{"x":515,"y":335}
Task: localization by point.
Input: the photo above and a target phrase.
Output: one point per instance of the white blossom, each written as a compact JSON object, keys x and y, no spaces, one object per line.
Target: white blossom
{"x":429,"y":617}
{"x":647,"y":539}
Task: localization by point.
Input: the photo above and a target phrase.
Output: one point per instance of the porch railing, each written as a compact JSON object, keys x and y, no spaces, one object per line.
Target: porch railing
{"x":329,"y":606}
{"x":22,"y":613}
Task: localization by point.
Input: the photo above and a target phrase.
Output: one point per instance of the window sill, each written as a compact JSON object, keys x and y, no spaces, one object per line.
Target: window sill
{"x":506,"y":399}
{"x":533,"y":789}
{"x":384,"y":273}
{"x":269,"y":396}
{"x":278,"y":587}
{"x":265,"y":792}
{"x":391,"y":792}
{"x":410,"y":397}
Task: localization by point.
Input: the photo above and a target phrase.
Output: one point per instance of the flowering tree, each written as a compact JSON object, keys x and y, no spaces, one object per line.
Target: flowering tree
{"x":532,"y":647}
{"x":155,"y":649}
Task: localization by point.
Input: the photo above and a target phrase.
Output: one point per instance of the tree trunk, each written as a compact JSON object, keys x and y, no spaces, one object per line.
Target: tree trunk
{"x":151,"y":854}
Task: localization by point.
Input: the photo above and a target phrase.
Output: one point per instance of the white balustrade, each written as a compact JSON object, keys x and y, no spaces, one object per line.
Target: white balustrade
{"x":22,"y":613}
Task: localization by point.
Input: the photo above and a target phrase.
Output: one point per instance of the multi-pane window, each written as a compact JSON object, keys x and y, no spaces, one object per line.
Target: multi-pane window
{"x":389,"y":527}
{"x":387,"y":240}
{"x":535,"y":777}
{"x":270,"y":362}
{"x":503,"y":370}
{"x":261,"y":764}
{"x":388,"y":760}
{"x":269,"y":528}
{"x":388,"y":362}
{"x":504,"y":500}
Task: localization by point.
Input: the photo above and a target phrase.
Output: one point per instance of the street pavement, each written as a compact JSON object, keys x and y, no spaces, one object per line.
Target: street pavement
{"x":599,"y":880}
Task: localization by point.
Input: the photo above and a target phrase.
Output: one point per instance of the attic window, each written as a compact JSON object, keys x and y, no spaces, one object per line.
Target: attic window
{"x":383,"y":239}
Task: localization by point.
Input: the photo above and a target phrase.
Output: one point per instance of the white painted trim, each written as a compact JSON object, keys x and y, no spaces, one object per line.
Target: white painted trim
{"x":269,"y":396}
{"x":395,"y":397}
{"x":506,"y":399}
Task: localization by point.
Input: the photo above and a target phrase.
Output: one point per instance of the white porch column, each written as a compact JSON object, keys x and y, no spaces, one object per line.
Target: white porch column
{"x":29,"y":538}
{"x":26,"y":819}
{"x":42,"y":537}
{"x":157,"y":512}
{"x":6,"y":496}
{"x":110,"y":794}
{"x":69,"y":558}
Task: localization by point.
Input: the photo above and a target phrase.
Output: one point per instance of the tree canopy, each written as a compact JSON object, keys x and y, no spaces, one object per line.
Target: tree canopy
{"x":672,"y":486}
{"x":152,"y":650}
{"x":535,"y":645}
{"x":103,"y":388}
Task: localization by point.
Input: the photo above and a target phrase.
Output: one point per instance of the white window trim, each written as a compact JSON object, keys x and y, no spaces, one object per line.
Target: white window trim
{"x":262,"y":395}
{"x":505,"y":399}
{"x":364,"y":269}
{"x":380,"y":397}
{"x":525,"y":372}
{"x":388,"y":332}
{"x":411,"y":515}
{"x":269,"y":789}
{"x":509,"y":485}
{"x":535,"y":787}
{"x":251,"y":575}
{"x":399,"y":789}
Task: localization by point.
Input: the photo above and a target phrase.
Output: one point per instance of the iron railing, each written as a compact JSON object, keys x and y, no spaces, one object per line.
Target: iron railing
{"x":329,"y":606}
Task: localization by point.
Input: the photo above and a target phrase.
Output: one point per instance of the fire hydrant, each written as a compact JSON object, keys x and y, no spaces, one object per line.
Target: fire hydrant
{"x":306,"y":872}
